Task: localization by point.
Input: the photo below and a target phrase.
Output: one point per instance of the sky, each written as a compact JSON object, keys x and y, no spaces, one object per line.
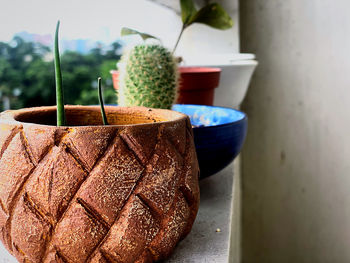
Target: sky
{"x":102,"y":20}
{"x":83,"y":19}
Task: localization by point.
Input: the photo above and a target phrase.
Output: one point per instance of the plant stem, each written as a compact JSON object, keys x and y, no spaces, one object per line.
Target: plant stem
{"x":178,"y":39}
{"x":100,"y":98}
{"x":61,"y":118}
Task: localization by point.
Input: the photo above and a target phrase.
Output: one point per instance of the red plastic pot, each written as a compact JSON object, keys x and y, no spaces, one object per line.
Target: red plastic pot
{"x":115,"y":78}
{"x":197,"y":84}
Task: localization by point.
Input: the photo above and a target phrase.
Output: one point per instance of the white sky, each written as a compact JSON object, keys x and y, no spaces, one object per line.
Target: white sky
{"x":86,"y":19}
{"x":102,"y":20}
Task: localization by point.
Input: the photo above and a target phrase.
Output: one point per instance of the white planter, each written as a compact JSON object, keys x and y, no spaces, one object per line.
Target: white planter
{"x":234,"y":83}
{"x":237,"y":70}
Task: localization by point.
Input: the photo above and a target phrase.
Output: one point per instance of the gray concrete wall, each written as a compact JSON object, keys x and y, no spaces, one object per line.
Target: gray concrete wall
{"x":296,"y":160}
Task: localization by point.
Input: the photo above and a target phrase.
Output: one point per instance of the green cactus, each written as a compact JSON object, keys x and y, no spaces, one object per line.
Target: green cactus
{"x":148,"y":77}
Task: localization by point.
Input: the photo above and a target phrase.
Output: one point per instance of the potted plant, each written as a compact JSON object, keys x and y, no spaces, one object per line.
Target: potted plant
{"x":81,"y":191}
{"x":196,"y":84}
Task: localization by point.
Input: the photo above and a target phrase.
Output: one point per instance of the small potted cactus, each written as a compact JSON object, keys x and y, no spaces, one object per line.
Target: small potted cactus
{"x":121,"y":186}
{"x":148,"y":77}
{"x":195,"y":85}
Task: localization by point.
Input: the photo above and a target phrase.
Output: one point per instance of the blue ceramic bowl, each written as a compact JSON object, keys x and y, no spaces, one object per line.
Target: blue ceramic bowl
{"x":219,"y":134}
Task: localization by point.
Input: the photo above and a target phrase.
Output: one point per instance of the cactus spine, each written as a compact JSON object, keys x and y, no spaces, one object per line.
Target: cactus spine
{"x":148,"y":77}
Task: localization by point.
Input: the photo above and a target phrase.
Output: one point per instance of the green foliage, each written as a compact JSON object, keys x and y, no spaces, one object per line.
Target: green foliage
{"x":88,"y":96}
{"x":213,"y":15}
{"x":27,"y":74}
{"x":18,"y":62}
{"x":106,"y":67}
{"x":148,"y":77}
{"x":38,"y":84}
{"x":128,"y":31}
{"x":188,"y":10}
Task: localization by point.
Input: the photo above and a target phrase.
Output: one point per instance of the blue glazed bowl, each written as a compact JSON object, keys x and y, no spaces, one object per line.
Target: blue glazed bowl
{"x":219,"y":134}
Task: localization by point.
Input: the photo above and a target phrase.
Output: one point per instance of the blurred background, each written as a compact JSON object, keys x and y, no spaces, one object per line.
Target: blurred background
{"x":90,"y":45}
{"x":295,"y":163}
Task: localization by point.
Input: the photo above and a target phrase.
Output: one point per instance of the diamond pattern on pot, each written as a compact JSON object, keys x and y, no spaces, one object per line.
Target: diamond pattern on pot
{"x":89,"y":153}
{"x":157,"y":188}
{"x":34,"y":137}
{"x":137,"y":227}
{"x":15,"y":166}
{"x":83,"y":225}
{"x":119,"y":170}
{"x":29,"y":221}
{"x":54,"y":182}
{"x":108,"y":200}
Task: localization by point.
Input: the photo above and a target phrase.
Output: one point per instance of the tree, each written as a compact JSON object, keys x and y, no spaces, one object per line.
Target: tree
{"x":27,"y":77}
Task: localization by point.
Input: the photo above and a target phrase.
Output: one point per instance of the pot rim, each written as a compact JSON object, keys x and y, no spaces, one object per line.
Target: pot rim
{"x":232,"y":123}
{"x":199,"y":70}
{"x":11,"y":116}
{"x":114,"y":71}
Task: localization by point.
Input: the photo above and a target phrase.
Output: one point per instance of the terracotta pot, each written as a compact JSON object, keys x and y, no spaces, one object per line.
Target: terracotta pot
{"x":115,"y":78}
{"x":197,"y":85}
{"x":127,"y":192}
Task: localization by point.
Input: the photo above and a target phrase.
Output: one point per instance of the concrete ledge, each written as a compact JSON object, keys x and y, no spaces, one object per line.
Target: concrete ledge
{"x":204,"y":243}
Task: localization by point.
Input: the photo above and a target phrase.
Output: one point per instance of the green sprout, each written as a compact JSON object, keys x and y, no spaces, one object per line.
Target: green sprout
{"x":100,"y":98}
{"x":61,"y":118}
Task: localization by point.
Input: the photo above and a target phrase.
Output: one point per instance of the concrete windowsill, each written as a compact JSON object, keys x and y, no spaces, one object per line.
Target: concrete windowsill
{"x":205,"y":243}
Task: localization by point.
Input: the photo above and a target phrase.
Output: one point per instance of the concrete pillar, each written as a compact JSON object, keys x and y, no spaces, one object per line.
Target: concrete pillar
{"x":296,"y":160}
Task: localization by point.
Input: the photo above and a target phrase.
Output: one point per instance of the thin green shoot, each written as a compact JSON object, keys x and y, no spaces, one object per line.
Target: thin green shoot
{"x":61,"y":118}
{"x":100,"y":98}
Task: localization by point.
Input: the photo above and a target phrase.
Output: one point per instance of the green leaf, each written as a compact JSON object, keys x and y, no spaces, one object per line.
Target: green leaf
{"x":213,"y":15}
{"x":128,"y":31}
{"x":188,"y":10}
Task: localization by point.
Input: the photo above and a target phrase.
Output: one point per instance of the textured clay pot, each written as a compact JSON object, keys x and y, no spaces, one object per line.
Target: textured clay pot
{"x":127,"y":192}
{"x":197,"y":85}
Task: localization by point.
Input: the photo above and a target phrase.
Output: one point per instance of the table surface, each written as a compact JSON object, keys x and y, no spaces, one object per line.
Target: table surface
{"x":209,"y":240}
